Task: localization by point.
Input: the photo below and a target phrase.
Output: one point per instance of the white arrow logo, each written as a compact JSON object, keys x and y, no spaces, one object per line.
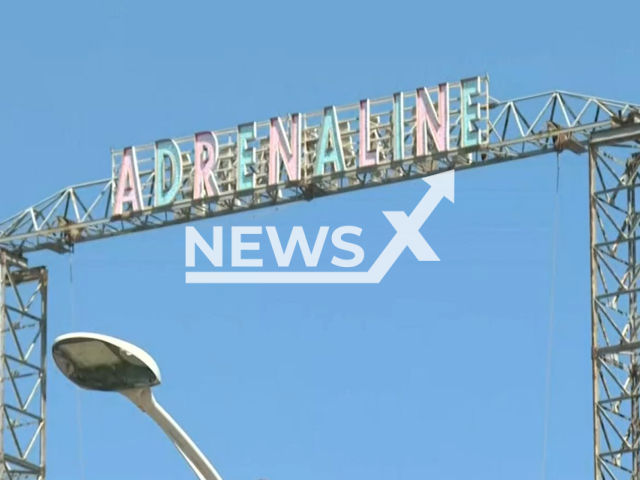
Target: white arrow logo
{"x":407,"y":236}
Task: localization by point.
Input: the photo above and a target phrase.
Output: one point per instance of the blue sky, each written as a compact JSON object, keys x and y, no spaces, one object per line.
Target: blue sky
{"x":437,"y":372}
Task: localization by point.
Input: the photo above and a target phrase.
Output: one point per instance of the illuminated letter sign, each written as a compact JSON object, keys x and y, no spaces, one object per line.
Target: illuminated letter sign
{"x":438,"y":126}
{"x":129,"y":190}
{"x":205,"y":145}
{"x":398,"y":126}
{"x":330,"y":145}
{"x":258,"y":163}
{"x":167,"y":149}
{"x":281,"y":148}
{"x":470,"y":112}
{"x":246,"y":156}
{"x":367,"y":157}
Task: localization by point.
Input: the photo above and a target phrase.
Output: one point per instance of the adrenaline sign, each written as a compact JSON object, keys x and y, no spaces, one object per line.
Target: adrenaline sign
{"x":300,"y":149}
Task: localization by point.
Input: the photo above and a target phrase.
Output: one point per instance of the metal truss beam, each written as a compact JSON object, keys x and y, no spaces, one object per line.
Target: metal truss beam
{"x":614,"y":158}
{"x":23,"y":343}
{"x":512,"y":130}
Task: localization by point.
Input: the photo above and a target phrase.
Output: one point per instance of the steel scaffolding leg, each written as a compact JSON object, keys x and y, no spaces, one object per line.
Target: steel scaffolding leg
{"x":23,"y":344}
{"x":614,"y":159}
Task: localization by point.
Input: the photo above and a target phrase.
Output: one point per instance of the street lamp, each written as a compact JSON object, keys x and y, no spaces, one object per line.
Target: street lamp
{"x":107,"y":364}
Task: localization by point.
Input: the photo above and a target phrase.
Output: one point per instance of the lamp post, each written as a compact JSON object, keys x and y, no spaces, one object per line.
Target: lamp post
{"x":99,"y":362}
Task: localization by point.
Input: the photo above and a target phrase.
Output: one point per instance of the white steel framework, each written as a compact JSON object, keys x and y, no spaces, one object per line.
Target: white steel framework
{"x":613,"y":165}
{"x":23,"y":352}
{"x":606,"y":131}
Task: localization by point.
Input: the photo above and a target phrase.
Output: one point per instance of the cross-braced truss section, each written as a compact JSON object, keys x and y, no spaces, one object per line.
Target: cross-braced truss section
{"x":23,"y":310}
{"x":615,"y":216}
{"x":510,"y":130}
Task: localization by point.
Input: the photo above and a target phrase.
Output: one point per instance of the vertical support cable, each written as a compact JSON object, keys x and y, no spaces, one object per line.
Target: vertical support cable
{"x":72,"y":311}
{"x":556,"y":229}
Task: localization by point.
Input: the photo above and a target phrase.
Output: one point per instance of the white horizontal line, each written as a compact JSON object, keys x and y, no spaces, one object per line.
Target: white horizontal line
{"x":281,"y":277}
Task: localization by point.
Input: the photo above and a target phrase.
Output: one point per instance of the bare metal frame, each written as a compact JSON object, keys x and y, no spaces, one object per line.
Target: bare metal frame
{"x":514,"y":129}
{"x":23,"y":354}
{"x":614,"y":158}
{"x":509,"y":130}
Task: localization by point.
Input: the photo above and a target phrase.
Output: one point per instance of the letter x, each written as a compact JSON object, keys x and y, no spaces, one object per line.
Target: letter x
{"x":408,"y":234}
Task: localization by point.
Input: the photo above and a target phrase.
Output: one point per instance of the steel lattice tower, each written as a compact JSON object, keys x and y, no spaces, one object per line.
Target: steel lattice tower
{"x":613,"y":173}
{"x":23,"y":353}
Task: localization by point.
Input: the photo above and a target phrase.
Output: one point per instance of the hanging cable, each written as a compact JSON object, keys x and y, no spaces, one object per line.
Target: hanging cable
{"x":78,"y":399}
{"x":556,"y":229}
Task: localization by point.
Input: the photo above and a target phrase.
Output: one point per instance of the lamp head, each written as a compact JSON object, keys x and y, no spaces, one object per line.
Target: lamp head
{"x":99,"y":362}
